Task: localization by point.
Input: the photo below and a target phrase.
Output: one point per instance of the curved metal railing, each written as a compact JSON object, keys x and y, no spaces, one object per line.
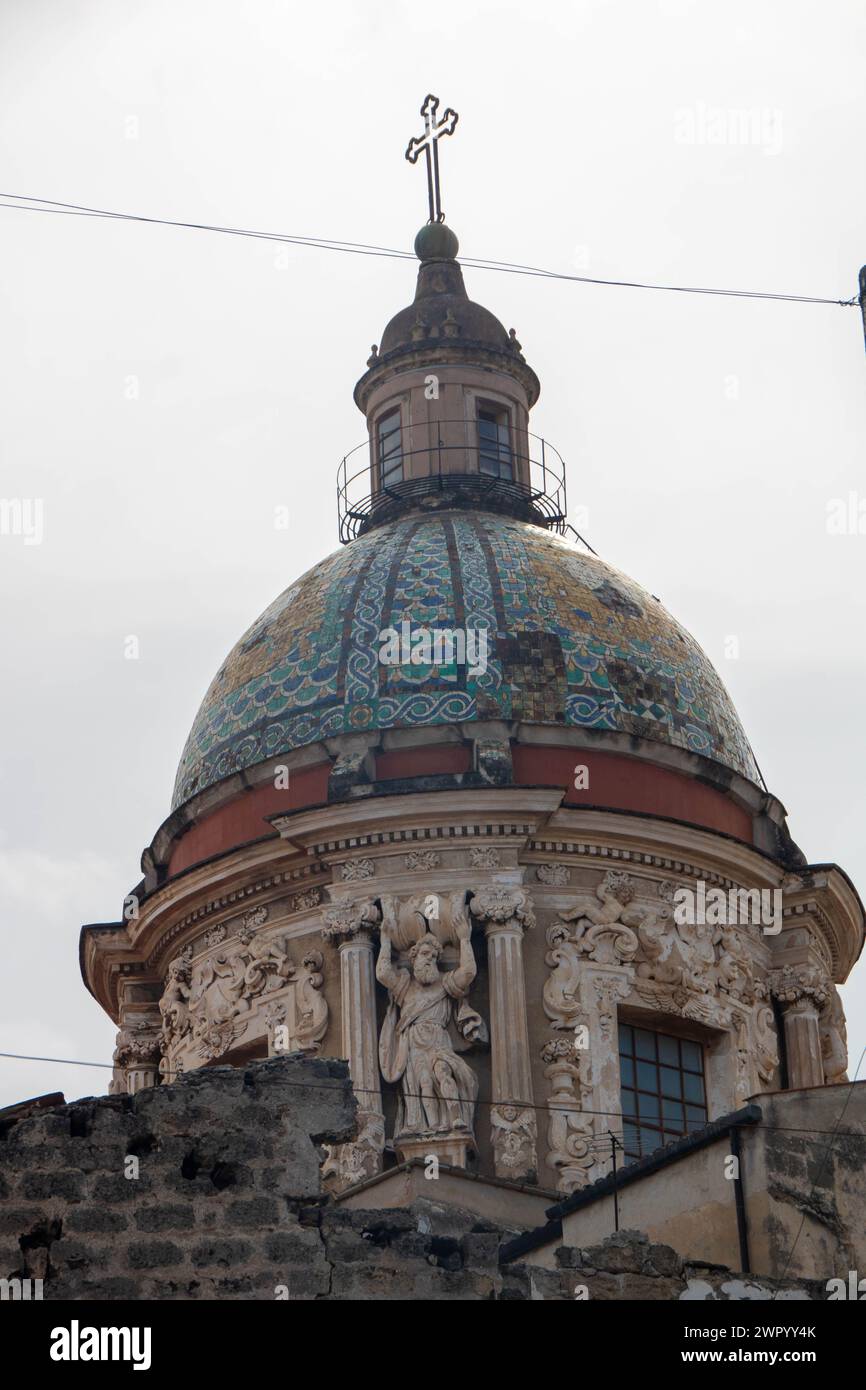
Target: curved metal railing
{"x":538,"y":494}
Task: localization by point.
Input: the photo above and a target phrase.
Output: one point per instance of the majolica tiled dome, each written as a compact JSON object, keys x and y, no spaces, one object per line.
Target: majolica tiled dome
{"x":571,"y":642}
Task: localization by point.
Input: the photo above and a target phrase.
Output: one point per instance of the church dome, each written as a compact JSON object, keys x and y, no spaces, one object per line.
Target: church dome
{"x":570,"y":642}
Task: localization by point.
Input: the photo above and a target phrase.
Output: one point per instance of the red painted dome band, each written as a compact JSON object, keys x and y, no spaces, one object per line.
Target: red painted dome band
{"x":615,"y":782}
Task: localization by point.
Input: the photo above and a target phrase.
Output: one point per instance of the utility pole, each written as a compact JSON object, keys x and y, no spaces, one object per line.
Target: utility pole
{"x":614,"y":1145}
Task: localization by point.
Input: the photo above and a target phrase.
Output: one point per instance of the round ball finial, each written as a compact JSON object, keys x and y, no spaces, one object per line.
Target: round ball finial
{"x":436,"y":242}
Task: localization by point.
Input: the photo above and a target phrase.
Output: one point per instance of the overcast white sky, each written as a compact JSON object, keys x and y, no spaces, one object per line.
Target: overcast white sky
{"x":705,"y":436}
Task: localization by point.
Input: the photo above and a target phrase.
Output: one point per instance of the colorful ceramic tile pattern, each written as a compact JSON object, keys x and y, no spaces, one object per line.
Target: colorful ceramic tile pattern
{"x":571,"y":641}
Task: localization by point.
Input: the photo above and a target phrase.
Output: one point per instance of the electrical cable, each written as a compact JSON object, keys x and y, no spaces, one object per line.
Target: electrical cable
{"x":524,"y":1105}
{"x":25,"y":203}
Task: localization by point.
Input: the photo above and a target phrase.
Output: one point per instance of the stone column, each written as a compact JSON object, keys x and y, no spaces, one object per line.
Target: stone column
{"x":802,"y":995}
{"x":136,"y":1056}
{"x":803,"y":1044}
{"x":349,"y":925}
{"x":507,"y":913}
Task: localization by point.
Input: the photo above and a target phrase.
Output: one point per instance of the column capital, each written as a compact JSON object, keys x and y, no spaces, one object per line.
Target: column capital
{"x":138,"y":1044}
{"x":800,"y":990}
{"x":350,"y":919}
{"x":137,"y":1055}
{"x":503,"y":908}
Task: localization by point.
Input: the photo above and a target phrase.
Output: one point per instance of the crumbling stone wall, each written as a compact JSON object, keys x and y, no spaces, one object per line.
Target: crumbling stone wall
{"x":210,"y":1188}
{"x":627,"y":1266}
{"x":227,"y":1161}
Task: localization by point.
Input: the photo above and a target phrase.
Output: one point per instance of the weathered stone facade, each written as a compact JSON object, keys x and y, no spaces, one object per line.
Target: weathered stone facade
{"x":569,"y":936}
{"x":228,"y":1203}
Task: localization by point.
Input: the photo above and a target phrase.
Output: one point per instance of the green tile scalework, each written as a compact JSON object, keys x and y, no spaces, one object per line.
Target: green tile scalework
{"x":571,"y":641}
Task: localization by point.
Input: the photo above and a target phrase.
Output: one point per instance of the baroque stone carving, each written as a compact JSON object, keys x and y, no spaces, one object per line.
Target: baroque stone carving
{"x":348,"y":918}
{"x":681,"y":954}
{"x":513,"y":1133}
{"x":757,"y":1049}
{"x":735,"y":970}
{"x":302,"y":902}
{"x":438,"y":1087}
{"x":834,"y":1039}
{"x":209,"y":1004}
{"x":792,"y":986}
{"x":222,"y":993}
{"x":705,"y":1008}
{"x":569,"y":1131}
{"x":170,"y":1071}
{"x":354,"y":870}
{"x":251,"y":921}
{"x":275,"y":1014}
{"x":215,"y":935}
{"x":311,"y":1008}
{"x":743,"y":1084}
{"x":138,"y":1044}
{"x":408,"y":919}
{"x":609,"y":990}
{"x":346,"y":1164}
{"x":555,"y":875}
{"x":484,"y":857}
{"x":174,"y":1004}
{"x":766,"y":1043}
{"x":606,"y":933}
{"x":307,"y":1024}
{"x":498,"y":904}
{"x":560,"y":997}
{"x":425,"y":859}
{"x":136,"y":1056}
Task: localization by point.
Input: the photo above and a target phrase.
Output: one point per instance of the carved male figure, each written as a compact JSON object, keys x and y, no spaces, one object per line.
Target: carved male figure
{"x":439,"y":1088}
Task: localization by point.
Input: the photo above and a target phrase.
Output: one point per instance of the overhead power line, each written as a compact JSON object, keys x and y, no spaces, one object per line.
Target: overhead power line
{"x":22,"y":203}
{"x":481,"y":1101}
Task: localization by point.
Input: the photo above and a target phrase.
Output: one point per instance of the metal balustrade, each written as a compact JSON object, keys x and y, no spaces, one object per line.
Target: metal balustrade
{"x":534,"y":492}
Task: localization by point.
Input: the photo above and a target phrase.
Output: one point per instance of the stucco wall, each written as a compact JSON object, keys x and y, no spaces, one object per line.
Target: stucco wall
{"x":805,"y":1174}
{"x":689,"y":1205}
{"x":803,"y":1169}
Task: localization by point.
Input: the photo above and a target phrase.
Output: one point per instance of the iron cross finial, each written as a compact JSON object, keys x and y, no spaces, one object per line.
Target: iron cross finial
{"x":429,"y":143}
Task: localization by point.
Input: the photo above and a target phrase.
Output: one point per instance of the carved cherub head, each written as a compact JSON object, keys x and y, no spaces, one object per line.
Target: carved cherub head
{"x":179,"y":969}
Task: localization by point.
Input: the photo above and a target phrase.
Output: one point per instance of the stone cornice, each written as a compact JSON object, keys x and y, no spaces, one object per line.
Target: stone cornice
{"x":522,"y":826}
{"x":171,"y":917}
{"x":454,"y":815}
{"x":444,"y":352}
{"x":672,"y":841}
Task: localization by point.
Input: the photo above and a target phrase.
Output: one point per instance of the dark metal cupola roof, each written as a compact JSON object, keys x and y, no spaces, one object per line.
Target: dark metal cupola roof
{"x":442,"y":324}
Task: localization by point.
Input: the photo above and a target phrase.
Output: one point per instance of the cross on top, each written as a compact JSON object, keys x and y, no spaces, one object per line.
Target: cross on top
{"x":429,"y":142}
